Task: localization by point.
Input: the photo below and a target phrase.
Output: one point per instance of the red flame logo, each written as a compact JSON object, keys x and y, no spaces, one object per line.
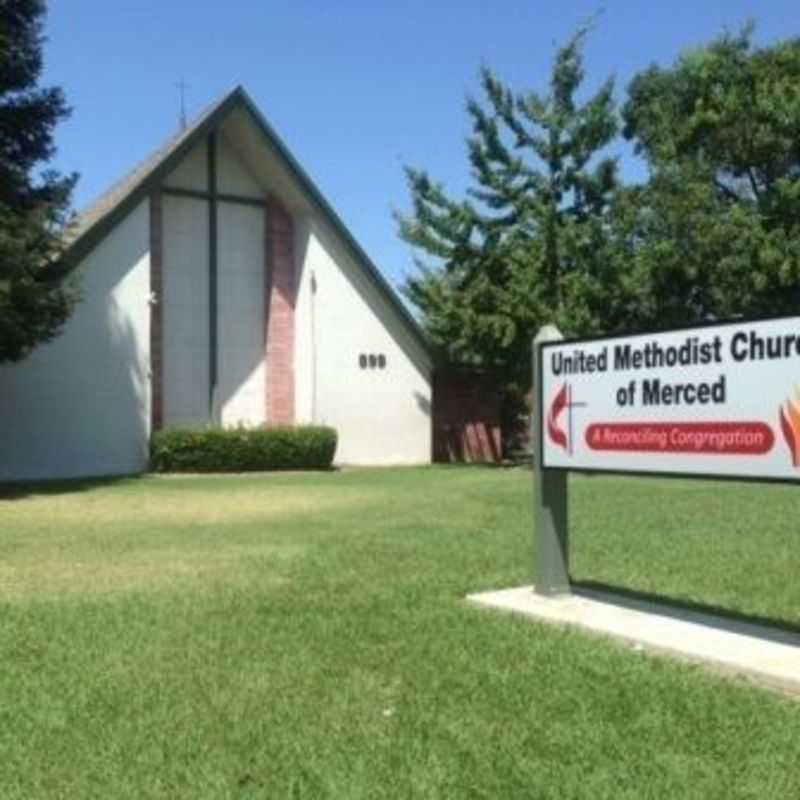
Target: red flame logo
{"x":790,"y":425}
{"x":560,"y":402}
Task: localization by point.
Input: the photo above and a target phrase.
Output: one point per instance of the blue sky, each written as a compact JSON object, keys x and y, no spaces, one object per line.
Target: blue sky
{"x":356,"y":89}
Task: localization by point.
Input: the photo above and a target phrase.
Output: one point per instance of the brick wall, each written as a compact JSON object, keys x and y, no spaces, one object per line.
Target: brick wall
{"x":466,"y":417}
{"x":280,"y":302}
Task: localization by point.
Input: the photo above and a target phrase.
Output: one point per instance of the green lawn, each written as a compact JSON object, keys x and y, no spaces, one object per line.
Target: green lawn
{"x":305,"y":636}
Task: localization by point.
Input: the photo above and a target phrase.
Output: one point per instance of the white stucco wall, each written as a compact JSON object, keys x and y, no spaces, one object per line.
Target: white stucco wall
{"x":80,"y":405}
{"x":241,"y":292}
{"x":383,"y":416}
{"x":233,"y":177}
{"x":192,"y":172}
{"x":185,"y":305}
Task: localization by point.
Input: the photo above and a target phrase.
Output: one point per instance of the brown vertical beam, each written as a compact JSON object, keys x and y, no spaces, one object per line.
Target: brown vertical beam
{"x":156,"y":311}
{"x":280,"y":307}
{"x":214,"y":409}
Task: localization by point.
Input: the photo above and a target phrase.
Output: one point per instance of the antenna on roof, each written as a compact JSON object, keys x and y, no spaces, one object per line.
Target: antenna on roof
{"x":182,"y":123}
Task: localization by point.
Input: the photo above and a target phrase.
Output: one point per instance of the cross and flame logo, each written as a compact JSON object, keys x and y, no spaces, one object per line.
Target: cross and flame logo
{"x":563,"y":402}
{"x":557,"y":434}
{"x":790,"y":425}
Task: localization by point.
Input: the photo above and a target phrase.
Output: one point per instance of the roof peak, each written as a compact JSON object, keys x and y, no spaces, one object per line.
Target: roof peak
{"x":101,"y":216}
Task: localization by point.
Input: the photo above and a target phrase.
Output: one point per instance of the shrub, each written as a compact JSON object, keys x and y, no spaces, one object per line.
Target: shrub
{"x":215,"y":449}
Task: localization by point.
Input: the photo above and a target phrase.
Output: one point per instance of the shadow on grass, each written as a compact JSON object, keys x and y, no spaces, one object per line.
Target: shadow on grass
{"x":19,"y":490}
{"x":22,"y":489}
{"x":506,"y":463}
{"x":775,"y":629}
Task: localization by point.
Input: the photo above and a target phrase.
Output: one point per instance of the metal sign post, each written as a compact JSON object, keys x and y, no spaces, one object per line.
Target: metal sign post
{"x":551,"y":532}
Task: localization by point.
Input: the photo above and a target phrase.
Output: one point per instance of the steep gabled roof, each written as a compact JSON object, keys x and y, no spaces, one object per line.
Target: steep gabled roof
{"x":93,"y":224}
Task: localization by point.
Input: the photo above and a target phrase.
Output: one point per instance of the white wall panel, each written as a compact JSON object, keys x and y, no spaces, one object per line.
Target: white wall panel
{"x":241,"y":267}
{"x":80,"y":405}
{"x":185,"y":311}
{"x":232,"y":176}
{"x":383,"y":416}
{"x":192,"y":172}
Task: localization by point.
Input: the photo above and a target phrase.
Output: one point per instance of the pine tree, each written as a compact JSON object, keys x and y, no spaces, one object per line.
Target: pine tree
{"x":34,"y":201}
{"x":526,"y":246}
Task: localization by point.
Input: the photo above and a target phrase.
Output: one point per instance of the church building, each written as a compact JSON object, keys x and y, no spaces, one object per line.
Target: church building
{"x":218,"y":287}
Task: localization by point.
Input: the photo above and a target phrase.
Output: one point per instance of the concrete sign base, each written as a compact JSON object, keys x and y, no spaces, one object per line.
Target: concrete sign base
{"x":767,"y":655}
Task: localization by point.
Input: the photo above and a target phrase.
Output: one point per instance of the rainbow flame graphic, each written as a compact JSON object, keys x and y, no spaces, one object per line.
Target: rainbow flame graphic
{"x":790,"y":425}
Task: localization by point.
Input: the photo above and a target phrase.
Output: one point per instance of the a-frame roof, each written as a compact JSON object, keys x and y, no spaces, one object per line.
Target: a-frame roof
{"x":97,"y":220}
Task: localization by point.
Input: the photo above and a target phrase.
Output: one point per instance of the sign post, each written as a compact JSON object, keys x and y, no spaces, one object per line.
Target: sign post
{"x":551,"y":531}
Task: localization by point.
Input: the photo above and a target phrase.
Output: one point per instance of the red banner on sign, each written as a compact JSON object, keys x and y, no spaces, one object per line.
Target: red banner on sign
{"x":702,"y":438}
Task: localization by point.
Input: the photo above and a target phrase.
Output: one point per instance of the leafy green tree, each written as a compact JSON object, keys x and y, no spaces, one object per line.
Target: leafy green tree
{"x":527,"y":244}
{"x":716,"y":230}
{"x":33,"y":202}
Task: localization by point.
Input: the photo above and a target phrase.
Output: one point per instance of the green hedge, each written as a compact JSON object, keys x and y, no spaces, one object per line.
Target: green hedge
{"x":214,"y":449}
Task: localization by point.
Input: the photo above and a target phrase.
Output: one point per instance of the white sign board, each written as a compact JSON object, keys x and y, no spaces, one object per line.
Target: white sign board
{"x":720,"y":400}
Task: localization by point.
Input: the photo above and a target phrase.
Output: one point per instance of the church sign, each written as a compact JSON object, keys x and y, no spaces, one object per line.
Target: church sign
{"x":720,"y":400}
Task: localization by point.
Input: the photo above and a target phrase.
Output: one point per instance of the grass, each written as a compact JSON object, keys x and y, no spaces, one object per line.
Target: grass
{"x":305,"y":636}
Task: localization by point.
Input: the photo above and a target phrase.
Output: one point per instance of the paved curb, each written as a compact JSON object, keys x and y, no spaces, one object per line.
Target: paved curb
{"x":769,"y":656}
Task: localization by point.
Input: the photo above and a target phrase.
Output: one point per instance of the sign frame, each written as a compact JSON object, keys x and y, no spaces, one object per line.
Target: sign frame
{"x":543,"y":346}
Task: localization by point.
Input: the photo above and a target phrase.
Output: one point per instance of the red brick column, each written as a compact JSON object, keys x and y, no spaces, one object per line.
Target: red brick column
{"x":156,"y":313}
{"x":280,"y":302}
